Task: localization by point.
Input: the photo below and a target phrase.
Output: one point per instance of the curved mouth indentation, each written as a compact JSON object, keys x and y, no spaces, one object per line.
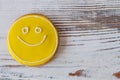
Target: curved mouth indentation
{"x":28,"y":44}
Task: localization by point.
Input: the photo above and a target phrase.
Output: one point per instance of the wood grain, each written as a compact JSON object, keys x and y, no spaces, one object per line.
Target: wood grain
{"x":89,"y":32}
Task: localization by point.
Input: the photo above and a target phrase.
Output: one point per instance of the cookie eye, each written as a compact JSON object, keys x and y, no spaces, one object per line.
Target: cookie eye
{"x":25,"y":30}
{"x":38,"y":30}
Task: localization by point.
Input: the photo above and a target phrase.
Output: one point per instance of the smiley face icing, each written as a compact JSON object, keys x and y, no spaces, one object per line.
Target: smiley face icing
{"x":32,"y":40}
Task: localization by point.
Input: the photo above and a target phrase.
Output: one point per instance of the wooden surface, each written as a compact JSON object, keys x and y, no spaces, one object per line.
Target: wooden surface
{"x":89,"y":32}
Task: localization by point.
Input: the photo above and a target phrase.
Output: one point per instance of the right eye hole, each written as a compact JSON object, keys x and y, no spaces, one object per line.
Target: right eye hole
{"x":25,"y":30}
{"x":38,"y":29}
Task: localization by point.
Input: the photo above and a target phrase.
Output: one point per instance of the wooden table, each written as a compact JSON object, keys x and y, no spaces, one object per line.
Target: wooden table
{"x":89,"y":32}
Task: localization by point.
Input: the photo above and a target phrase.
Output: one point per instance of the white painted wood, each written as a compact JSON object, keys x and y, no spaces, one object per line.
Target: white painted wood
{"x":89,"y":32}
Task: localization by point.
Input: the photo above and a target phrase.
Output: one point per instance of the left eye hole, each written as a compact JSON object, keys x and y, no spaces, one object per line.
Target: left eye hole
{"x":25,"y":30}
{"x":38,"y":30}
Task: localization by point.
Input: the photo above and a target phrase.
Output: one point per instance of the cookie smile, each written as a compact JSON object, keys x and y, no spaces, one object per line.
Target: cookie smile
{"x":29,"y":44}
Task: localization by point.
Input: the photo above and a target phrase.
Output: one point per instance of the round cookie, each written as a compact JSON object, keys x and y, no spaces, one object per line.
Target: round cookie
{"x":32,"y":40}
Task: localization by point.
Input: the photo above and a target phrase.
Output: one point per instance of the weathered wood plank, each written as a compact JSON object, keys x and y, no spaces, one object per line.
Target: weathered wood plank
{"x":89,"y":32}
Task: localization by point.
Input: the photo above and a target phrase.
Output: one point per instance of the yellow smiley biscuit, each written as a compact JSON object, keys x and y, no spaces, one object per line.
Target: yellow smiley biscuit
{"x":32,"y":40}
